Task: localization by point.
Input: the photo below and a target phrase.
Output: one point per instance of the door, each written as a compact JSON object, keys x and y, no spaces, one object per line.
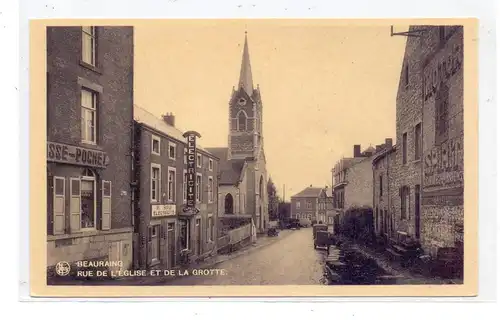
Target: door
{"x":171,"y":245}
{"x":115,"y":255}
{"x":198,"y":237}
{"x":417,"y":211}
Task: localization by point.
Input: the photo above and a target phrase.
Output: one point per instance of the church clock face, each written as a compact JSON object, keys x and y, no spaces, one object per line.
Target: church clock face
{"x":242,"y":101}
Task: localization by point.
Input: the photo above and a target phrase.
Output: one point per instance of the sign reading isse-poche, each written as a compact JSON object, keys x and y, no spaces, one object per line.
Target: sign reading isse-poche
{"x":191,"y":168}
{"x":63,"y":153}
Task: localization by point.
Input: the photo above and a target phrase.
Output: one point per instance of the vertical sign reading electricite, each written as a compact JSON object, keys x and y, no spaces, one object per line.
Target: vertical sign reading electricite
{"x":191,"y":169}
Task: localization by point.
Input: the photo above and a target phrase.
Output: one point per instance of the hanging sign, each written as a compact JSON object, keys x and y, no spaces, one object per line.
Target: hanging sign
{"x":191,"y":169}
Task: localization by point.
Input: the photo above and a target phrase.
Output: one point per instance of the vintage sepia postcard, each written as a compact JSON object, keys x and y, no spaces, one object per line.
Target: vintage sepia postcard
{"x":268,"y":157}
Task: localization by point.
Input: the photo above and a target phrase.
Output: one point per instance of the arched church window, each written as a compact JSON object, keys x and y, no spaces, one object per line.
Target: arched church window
{"x":228,"y":204}
{"x":242,"y":121}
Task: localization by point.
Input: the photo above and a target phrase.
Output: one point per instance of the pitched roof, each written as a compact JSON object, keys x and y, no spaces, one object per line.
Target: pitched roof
{"x":309,"y":192}
{"x":230,"y":170}
{"x":150,"y":120}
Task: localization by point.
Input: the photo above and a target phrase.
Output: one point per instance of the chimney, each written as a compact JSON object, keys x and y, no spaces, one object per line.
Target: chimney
{"x":388,"y":143}
{"x":357,"y":150}
{"x":169,"y":119}
{"x":379,"y":148}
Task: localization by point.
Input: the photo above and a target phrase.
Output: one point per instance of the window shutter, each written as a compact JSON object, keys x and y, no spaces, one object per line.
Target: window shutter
{"x":59,"y":205}
{"x":75,"y":204}
{"x":106,"y":205}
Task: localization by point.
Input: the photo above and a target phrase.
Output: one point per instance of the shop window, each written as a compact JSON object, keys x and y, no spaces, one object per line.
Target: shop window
{"x":88,"y":116}
{"x":155,"y":145}
{"x":171,"y":150}
{"x":184,"y":234}
{"x":155,"y":182}
{"x":198,"y":187}
{"x":171,"y":184}
{"x":59,"y":205}
{"x":89,"y":45}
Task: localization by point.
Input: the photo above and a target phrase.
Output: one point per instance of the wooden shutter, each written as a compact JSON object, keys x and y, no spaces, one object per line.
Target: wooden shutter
{"x":150,"y":246}
{"x":59,"y":205}
{"x":106,"y":205}
{"x":75,"y":204}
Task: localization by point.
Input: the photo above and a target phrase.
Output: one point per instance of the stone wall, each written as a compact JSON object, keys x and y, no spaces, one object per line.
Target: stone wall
{"x":359,"y":188}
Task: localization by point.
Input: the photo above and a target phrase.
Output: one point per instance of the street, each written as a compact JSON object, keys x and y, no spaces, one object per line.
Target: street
{"x":289,"y":261}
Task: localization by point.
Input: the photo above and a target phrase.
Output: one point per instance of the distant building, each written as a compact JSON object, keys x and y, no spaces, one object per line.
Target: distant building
{"x":305,"y":204}
{"x":326,"y":212}
{"x":162,"y":227}
{"x":89,"y":145}
{"x":243,"y":173}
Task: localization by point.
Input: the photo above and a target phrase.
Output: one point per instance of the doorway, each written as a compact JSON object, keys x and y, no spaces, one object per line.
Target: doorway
{"x":198,"y":236}
{"x":417,"y":211}
{"x":171,"y":245}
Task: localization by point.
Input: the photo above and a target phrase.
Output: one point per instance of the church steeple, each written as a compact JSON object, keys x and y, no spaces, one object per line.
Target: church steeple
{"x":246,"y":81}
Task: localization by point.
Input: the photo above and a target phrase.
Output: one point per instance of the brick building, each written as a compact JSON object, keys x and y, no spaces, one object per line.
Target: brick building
{"x":305,"y":204}
{"x":89,"y":144}
{"x":162,"y":228}
{"x":383,"y":167}
{"x":428,"y":175}
{"x":243,"y":182}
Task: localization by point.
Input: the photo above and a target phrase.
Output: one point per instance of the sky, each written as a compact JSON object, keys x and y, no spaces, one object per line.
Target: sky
{"x":325,"y":86}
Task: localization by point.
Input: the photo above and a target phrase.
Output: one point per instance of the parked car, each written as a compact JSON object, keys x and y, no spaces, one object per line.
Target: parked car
{"x":293,"y":224}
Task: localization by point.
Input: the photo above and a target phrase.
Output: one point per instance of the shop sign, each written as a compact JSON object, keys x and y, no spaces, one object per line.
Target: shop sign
{"x":63,"y":153}
{"x":443,"y":164}
{"x":442,"y":71}
{"x":163,"y":210}
{"x":191,"y":168}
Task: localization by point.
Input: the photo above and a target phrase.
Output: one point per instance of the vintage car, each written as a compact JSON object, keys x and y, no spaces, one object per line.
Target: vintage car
{"x":318,"y":227}
{"x":321,"y":240}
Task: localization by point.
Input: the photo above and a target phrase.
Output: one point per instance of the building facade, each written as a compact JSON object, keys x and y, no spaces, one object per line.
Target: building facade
{"x":89,"y":145}
{"x":243,"y":183}
{"x":443,"y":139}
{"x":326,"y":212}
{"x":305,"y":205}
{"x":429,"y":152}
{"x":163,"y":230}
{"x":383,"y":167}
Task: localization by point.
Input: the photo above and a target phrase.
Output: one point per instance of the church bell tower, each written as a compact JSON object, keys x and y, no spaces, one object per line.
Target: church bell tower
{"x":245,"y":113}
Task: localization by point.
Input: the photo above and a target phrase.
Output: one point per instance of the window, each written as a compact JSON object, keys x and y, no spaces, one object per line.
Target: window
{"x":405,"y":202}
{"x":155,"y":145}
{"x":59,"y":205}
{"x":405,"y":141}
{"x":88,"y":200}
{"x":171,"y":184}
{"x":210,"y":189}
{"x":171,"y":150}
{"x":381,"y":191}
{"x":210,"y":230}
{"x":106,"y":205}
{"x":155,"y":243}
{"x":308,"y":205}
{"x":210,"y":164}
{"x":184,"y":186}
{"x":242,"y":121}
{"x":298,"y":205}
{"x":198,"y":160}
{"x":418,"y":139}
{"x":184,"y":234}
{"x":155,"y":182}
{"x":185,"y":156}
{"x":89,"y":45}
{"x":407,"y":75}
{"x":198,"y":187}
{"x":89,"y":105}
{"x":442,"y":101}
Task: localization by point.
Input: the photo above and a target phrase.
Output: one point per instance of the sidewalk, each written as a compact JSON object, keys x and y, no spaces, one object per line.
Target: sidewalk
{"x":394,"y":268}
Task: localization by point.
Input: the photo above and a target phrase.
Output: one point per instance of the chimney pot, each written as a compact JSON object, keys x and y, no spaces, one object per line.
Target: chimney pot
{"x":357,"y":150}
{"x":388,"y":143}
{"x":169,"y":119}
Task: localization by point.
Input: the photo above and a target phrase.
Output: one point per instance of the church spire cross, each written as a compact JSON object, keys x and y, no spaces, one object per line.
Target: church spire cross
{"x":246,"y":81}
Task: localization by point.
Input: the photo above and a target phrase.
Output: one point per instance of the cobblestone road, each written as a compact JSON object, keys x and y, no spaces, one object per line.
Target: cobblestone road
{"x":290,"y":261}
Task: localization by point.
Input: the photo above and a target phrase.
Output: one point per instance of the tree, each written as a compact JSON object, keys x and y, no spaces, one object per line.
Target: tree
{"x":272,"y":196}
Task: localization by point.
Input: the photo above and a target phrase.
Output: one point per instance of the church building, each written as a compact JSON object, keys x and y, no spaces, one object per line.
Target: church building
{"x":242,"y":168}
